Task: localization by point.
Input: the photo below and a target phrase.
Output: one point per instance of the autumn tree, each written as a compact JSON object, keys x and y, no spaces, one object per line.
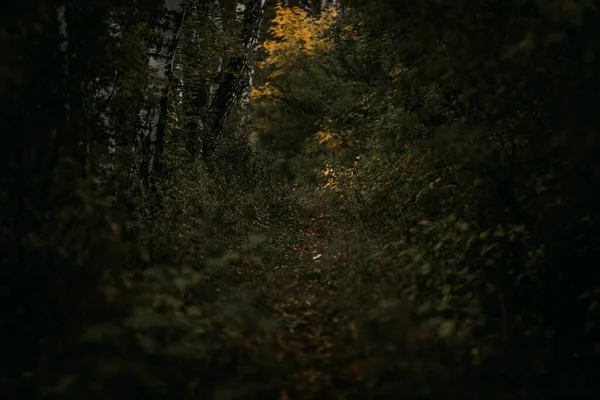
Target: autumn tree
{"x":297,"y":49}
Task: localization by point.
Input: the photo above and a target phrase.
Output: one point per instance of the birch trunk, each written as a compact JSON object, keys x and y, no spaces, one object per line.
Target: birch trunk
{"x":153,"y":119}
{"x":197,"y":91}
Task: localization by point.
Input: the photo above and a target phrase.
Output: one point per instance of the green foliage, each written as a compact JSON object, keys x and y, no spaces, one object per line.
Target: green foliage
{"x":105,"y":293}
{"x":467,"y":162}
{"x":296,"y":79}
{"x":419,"y":210}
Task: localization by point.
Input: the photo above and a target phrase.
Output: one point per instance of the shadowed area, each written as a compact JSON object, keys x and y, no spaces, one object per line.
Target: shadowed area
{"x":349,"y":199}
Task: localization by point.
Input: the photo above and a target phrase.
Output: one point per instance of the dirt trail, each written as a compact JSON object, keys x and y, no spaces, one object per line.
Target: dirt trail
{"x":306,"y":308}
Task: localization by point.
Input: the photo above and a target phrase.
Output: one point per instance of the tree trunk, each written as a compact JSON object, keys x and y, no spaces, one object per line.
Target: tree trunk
{"x":153,"y":118}
{"x":236,"y":78}
{"x":197,"y":91}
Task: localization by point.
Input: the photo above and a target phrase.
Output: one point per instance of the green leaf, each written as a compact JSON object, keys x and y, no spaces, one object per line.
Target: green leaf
{"x":446,"y":328}
{"x":425,"y":269}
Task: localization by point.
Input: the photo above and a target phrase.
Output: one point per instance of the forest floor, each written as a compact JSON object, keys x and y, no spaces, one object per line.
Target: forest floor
{"x":307,"y":292}
{"x":343,"y":326}
{"x":306,"y":307}
{"x":302,"y":293}
{"x":344,"y":330}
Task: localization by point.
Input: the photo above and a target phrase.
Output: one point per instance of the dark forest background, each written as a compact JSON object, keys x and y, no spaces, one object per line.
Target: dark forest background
{"x":303,"y":199}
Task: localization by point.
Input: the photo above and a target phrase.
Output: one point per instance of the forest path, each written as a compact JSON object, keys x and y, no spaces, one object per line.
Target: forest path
{"x":305,"y":303}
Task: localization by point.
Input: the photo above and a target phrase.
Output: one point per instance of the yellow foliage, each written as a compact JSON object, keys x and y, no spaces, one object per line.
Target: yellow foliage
{"x":265,"y":90}
{"x":337,"y":178}
{"x":397,"y":71}
{"x":329,"y":139}
{"x":296,"y":35}
{"x":349,"y":32}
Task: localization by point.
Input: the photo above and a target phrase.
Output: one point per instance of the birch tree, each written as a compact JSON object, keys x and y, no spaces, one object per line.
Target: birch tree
{"x":153,"y":118}
{"x":200,"y":60}
{"x":217,"y":64}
